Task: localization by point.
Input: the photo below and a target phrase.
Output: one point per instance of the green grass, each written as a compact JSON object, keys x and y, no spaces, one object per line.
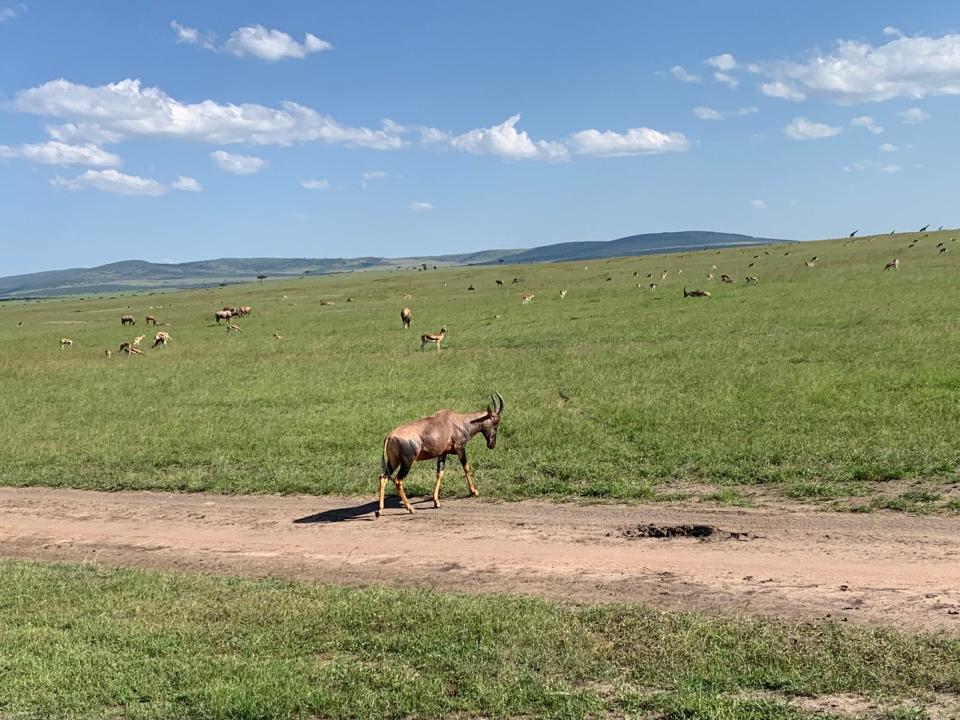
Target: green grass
{"x":836,"y":377}
{"x":82,"y":642}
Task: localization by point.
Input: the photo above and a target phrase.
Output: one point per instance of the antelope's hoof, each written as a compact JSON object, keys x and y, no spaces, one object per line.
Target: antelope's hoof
{"x":412,"y":511}
{"x":475,"y":493}
{"x":436,"y":503}
{"x":376,"y":513}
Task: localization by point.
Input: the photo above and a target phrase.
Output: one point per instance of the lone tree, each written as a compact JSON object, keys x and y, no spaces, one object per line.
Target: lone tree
{"x":261,"y":278}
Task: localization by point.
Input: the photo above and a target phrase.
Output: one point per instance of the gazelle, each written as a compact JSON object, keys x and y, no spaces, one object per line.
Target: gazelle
{"x":895,"y":264}
{"x":444,"y":433}
{"x":65,"y":343}
{"x":525,"y":299}
{"x":436,"y":339}
{"x":563,"y":294}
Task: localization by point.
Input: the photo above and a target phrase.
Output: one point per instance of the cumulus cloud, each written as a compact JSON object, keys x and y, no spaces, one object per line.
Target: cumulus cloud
{"x":726,"y":78}
{"x":186,"y":184}
{"x":504,"y":140}
{"x":723,"y":62}
{"x":315,"y":184}
{"x":758,"y":205}
{"x":193,"y":36}
{"x":913,"y":116}
{"x":111,"y":181}
{"x":681,"y":74}
{"x":238,"y":164}
{"x":888,"y":148}
{"x":54,"y":152}
{"x":858,"y":72}
{"x":891,"y":31}
{"x":127,"y":109}
{"x":867,"y":123}
{"x":803,"y":129}
{"x":635,"y":141}
{"x":708,"y":113}
{"x":272,"y":45}
{"x":421,"y":206}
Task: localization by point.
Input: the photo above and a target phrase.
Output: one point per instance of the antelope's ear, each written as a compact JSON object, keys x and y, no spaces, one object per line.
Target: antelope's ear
{"x":482,"y":419}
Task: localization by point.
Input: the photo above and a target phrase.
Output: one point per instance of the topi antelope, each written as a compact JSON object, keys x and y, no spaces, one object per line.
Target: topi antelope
{"x":895,"y":264}
{"x":444,"y":433}
{"x":151,"y":320}
{"x":525,"y":299}
{"x":436,"y":339}
{"x":695,"y":293}
{"x":406,"y":315}
{"x":245,"y":310}
{"x":65,"y":343}
{"x":563,"y":293}
{"x":127,"y":320}
{"x":161,"y":339}
{"x":222,"y":315}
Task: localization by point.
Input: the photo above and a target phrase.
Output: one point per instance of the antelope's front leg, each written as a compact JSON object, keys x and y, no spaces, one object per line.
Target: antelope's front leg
{"x":441,"y":459}
{"x":468,"y":472}
{"x":383,"y":485}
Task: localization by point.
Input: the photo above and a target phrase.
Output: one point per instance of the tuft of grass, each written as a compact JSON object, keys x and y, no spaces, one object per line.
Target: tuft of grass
{"x":79,"y":641}
{"x":614,"y":392}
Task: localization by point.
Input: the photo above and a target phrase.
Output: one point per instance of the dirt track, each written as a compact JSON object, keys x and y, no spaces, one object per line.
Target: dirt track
{"x":893,"y":569}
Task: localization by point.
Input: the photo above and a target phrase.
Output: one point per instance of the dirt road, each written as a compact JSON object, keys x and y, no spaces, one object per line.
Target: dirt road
{"x":894,"y":569}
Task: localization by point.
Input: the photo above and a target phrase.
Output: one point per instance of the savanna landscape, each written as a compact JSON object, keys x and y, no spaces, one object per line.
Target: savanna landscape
{"x":734,"y":505}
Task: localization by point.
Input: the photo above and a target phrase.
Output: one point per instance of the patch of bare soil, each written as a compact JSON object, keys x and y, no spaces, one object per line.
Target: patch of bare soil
{"x":881,"y":568}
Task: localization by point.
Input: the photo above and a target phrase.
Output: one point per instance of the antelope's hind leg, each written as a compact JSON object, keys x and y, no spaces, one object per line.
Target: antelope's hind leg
{"x":468,"y":472}
{"x":436,"y":489}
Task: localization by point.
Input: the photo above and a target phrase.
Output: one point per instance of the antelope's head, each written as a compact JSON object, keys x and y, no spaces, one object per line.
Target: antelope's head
{"x":491,"y":420}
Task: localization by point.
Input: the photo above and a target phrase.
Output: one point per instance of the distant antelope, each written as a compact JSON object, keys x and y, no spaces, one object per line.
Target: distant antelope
{"x":814,"y":258}
{"x":233,"y":328}
{"x":713,"y":267}
{"x":436,"y":339}
{"x":942,"y":250}
{"x":222,"y":315}
{"x":444,"y":433}
{"x":940,"y":245}
{"x":752,"y":280}
{"x":609,"y":278}
{"x":277,"y":336}
{"x":151,"y":320}
{"x":695,"y":293}
{"x":161,"y":339}
{"x":471,"y":287}
{"x":563,"y":293}
{"x":515,"y":281}
{"x":65,"y":343}
{"x":525,"y":299}
{"x":711,"y":276}
{"x":653,"y":286}
{"x":127,"y":320}
{"x":128,"y":349}
{"x":752,"y":265}
{"x":809,"y":263}
{"x":663,"y":275}
{"x":108,"y":353}
{"x":245,"y":310}
{"x":499,"y":283}
{"x":726,"y":278}
{"x":406,"y":315}
{"x":137,"y":340}
{"x":407,"y":296}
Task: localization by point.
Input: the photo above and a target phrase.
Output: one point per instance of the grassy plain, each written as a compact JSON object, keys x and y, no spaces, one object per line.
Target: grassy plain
{"x":80,"y":642}
{"x":820,"y":383}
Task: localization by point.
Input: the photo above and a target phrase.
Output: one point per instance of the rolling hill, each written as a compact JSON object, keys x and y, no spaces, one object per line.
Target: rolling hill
{"x":139,"y":275}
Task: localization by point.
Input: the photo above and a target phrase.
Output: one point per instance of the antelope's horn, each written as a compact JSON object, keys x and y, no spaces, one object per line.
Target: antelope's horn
{"x":500,"y":398}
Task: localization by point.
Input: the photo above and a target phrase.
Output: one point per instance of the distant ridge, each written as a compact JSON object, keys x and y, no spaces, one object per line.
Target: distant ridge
{"x":140,"y":275}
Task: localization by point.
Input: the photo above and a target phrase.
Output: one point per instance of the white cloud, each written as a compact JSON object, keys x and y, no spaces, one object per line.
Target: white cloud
{"x":369,"y":175}
{"x":113,"y":182}
{"x":890,"y":168}
{"x":635,"y":141}
{"x":504,"y":140}
{"x":888,"y":148}
{"x":758,"y":205}
{"x":187,"y":184}
{"x":780,"y":89}
{"x":272,"y":45}
{"x":803,"y":129}
{"x":858,"y":72}
{"x":193,"y":36}
{"x":93,"y":133}
{"x":680,"y":73}
{"x":913,"y":116}
{"x":726,"y":78}
{"x":238,"y":164}
{"x":54,"y":152}
{"x":723,"y":62}
{"x":891,"y":31}
{"x":128,"y":109}
{"x":867,"y":123}
{"x":421,"y":206}
{"x":315,"y":184}
{"x":707,"y":113}
{"x":9,"y":13}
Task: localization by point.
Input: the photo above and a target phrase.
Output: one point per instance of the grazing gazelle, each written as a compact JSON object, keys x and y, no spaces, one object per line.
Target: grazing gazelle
{"x":895,"y":264}
{"x":436,"y":339}
{"x":695,"y":293}
{"x":65,"y":343}
{"x":444,"y":433}
{"x":525,"y":299}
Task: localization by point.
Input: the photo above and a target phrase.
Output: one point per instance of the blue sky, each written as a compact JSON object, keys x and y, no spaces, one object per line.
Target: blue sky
{"x":180,"y":130}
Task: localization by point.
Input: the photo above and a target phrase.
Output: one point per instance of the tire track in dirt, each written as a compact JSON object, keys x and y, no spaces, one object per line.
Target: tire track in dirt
{"x":880,"y":568}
